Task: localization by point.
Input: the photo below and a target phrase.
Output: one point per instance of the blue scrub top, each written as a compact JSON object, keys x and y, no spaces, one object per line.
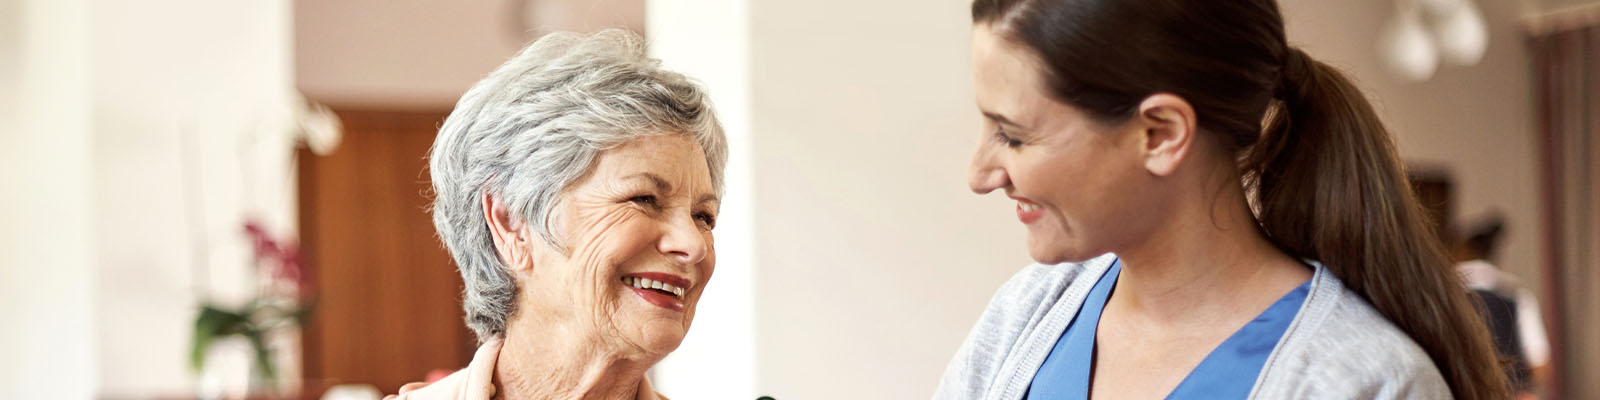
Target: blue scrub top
{"x":1229,"y":372}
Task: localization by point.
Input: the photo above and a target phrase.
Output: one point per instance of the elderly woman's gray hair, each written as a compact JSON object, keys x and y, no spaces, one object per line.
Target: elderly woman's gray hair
{"x":533,"y":127}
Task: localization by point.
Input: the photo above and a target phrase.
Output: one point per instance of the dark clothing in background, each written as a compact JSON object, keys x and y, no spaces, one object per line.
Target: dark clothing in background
{"x":1500,"y":313}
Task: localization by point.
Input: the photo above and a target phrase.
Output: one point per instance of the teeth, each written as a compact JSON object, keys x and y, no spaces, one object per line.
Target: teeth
{"x":1027,"y":207}
{"x":643,"y":283}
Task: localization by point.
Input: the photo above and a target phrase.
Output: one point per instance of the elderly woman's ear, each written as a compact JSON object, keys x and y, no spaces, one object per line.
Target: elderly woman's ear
{"x":510,"y":234}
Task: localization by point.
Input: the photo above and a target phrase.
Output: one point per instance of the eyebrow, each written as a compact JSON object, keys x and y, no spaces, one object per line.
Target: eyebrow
{"x":996,"y":117}
{"x":661,"y":184}
{"x":710,"y":198}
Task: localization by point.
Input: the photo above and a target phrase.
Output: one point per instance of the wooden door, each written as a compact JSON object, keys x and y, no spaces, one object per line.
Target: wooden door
{"x":388,"y":307}
{"x":1436,"y":191}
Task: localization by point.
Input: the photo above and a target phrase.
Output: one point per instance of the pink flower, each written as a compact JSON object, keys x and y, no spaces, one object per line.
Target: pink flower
{"x":282,"y":258}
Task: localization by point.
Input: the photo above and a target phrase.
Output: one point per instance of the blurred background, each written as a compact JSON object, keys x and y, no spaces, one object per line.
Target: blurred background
{"x":173,"y":169}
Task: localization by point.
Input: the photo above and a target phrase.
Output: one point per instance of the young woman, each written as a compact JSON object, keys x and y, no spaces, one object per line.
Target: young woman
{"x":1216,"y":214}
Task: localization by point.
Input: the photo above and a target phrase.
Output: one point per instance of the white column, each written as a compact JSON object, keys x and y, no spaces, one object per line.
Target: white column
{"x":710,"y":41}
{"x":191,"y":136}
{"x":47,"y":271}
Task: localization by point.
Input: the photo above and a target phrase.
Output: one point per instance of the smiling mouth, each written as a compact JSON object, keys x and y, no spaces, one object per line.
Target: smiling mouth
{"x":1028,"y":211}
{"x":656,"y":292}
{"x":646,"y":284}
{"x":1028,"y":208}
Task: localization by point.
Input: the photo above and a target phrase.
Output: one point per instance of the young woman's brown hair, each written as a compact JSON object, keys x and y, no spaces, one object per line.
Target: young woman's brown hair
{"x":1324,"y":175}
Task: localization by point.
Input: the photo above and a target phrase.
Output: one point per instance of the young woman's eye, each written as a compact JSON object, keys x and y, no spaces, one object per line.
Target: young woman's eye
{"x":1000,"y":135}
{"x":706,"y":219}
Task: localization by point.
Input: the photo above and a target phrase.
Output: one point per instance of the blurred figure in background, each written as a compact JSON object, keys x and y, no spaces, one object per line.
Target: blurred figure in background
{"x":1513,"y":310}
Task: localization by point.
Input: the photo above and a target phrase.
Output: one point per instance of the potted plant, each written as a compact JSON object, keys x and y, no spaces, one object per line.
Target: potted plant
{"x":282,"y":302}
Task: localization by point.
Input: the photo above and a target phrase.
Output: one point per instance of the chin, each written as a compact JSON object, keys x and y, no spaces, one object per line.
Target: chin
{"x":660,"y":340}
{"x":1048,"y":258}
{"x":1051,"y":251}
{"x":657,"y":334}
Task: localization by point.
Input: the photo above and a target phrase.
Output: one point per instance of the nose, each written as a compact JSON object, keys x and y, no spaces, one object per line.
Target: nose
{"x":683,"y":242}
{"x":986,"y":175}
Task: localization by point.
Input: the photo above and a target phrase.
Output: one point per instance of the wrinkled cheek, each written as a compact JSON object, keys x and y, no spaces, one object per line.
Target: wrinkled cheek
{"x":608,"y":311}
{"x":689,"y":308}
{"x":708,"y":267}
{"x":601,"y":296}
{"x":607,"y":240}
{"x":596,"y":233}
{"x":603,"y":243}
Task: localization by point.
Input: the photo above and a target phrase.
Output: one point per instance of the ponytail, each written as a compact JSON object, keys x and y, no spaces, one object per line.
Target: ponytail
{"x":1330,"y":186}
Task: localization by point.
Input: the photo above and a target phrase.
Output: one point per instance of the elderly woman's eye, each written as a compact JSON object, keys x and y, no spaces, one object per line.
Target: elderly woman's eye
{"x":646,"y":200}
{"x":707,"y":219}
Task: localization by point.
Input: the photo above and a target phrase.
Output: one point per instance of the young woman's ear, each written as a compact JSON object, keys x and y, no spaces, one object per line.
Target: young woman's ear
{"x":1168,"y":125}
{"x":509,"y":232}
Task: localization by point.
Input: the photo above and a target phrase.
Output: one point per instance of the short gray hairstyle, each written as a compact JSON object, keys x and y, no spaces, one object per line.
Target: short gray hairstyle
{"x":532,"y":128}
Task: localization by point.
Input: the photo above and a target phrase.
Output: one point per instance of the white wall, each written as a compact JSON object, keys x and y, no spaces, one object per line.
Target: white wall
{"x":101,"y":257}
{"x":47,"y":241}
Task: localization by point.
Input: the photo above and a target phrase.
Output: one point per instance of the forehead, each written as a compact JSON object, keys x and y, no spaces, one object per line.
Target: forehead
{"x":675,"y":158}
{"x":1006,"y":77}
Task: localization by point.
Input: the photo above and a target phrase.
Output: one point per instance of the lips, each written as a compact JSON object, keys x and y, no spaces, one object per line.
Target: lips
{"x":660,"y":289}
{"x":1028,"y":211}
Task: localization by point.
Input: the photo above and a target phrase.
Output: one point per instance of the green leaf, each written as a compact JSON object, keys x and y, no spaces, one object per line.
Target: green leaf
{"x":213,"y":323}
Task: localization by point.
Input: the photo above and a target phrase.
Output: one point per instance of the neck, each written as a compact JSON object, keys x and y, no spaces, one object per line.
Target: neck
{"x":553,"y":363}
{"x":1204,"y":261}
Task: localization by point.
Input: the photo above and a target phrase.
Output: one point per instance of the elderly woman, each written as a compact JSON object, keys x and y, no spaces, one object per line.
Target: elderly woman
{"x":577,"y":186}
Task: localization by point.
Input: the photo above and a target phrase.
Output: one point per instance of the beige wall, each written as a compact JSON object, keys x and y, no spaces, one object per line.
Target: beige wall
{"x":408,"y":54}
{"x":873,"y":258}
{"x":1554,"y":5}
{"x":422,"y":54}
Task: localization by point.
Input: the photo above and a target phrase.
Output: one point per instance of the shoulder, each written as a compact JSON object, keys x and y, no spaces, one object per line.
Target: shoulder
{"x":1038,"y":286}
{"x":475,"y":382}
{"x":1013,"y":311}
{"x":1035,"y":289}
{"x":1341,"y":347}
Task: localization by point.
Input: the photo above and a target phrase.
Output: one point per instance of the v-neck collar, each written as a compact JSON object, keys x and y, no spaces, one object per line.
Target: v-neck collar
{"x":1066,"y":372}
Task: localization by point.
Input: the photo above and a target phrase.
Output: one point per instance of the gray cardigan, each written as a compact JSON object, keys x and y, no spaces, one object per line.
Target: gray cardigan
{"x":1337,"y":347}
